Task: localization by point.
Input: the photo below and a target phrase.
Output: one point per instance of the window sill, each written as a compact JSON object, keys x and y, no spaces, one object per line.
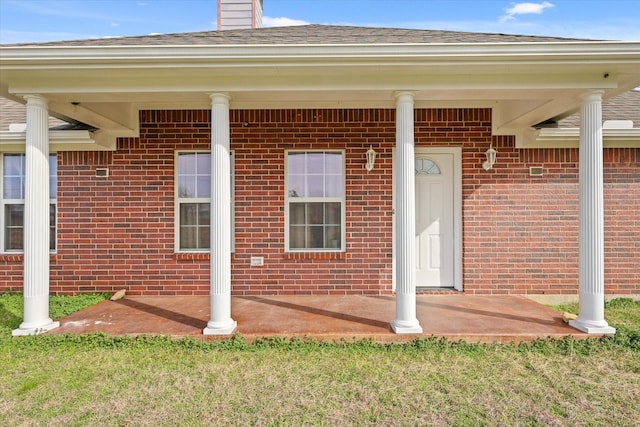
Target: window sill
{"x":316,"y":255}
{"x":202,"y":256}
{"x":19,"y":257}
{"x":192,"y":256}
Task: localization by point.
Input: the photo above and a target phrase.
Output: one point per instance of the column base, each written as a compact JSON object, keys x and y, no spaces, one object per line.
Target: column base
{"x":27,"y":329}
{"x":220,"y":328}
{"x":405,"y":327}
{"x":592,"y":327}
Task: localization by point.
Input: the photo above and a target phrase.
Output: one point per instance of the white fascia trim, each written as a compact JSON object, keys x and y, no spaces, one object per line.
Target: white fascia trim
{"x":570,"y":138}
{"x":484,"y":53}
{"x":61,"y":140}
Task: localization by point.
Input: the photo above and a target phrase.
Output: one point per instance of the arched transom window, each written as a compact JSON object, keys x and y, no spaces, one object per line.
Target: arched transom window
{"x":427,"y":167}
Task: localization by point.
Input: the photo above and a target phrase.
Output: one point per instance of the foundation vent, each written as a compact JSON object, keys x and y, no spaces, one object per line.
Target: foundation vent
{"x":536,"y":171}
{"x":102,"y":172}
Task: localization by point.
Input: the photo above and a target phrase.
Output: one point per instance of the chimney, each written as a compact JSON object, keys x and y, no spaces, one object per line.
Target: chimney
{"x":239,"y":14}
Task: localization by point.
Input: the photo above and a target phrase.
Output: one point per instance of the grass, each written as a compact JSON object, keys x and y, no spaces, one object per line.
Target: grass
{"x":59,"y":306}
{"x":100,"y":380}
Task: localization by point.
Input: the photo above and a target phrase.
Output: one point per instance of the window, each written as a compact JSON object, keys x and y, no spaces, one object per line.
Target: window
{"x":427,"y":167}
{"x":193,"y":202}
{"x":315,"y":202}
{"x":12,"y":216}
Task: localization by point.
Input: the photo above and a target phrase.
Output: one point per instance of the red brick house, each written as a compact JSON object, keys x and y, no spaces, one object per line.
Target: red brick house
{"x":321,"y":159}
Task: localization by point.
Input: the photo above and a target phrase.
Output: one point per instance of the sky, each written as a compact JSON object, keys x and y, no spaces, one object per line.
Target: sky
{"x":24,"y":21}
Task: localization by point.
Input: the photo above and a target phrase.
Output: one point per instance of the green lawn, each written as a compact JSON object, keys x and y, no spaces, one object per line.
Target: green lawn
{"x":100,"y":380}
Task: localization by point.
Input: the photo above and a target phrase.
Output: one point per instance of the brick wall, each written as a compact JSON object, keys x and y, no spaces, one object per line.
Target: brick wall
{"x":622,"y":220}
{"x":259,"y":140}
{"x":519,"y":232}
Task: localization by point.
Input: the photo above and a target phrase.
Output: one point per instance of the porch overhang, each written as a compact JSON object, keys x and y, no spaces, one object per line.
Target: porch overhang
{"x":523,"y":83}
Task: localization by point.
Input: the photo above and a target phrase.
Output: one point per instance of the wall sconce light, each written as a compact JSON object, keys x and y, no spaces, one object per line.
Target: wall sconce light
{"x":371,"y":159}
{"x":491,"y":159}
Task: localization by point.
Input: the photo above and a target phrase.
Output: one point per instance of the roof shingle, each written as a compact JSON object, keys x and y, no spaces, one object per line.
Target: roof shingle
{"x":12,"y":112}
{"x":625,"y":106}
{"x":308,"y":34}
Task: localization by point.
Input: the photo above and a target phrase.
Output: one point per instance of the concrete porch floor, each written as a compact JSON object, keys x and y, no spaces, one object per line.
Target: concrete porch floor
{"x":495,"y":318}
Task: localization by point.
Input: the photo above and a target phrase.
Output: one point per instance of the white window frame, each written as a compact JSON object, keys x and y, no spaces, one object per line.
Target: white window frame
{"x":179,"y":200}
{"x":5,"y":202}
{"x":341,"y":200}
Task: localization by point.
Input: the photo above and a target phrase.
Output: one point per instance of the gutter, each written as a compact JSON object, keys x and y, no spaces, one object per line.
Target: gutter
{"x":567,"y":52}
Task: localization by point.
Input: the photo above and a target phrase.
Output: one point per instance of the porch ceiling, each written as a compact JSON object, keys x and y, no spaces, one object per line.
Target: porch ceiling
{"x":525,"y":83}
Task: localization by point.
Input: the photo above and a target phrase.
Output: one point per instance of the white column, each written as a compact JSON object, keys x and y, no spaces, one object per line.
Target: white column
{"x":591,"y":224}
{"x":221,"y":322}
{"x":36,"y":221}
{"x":406,"y":321}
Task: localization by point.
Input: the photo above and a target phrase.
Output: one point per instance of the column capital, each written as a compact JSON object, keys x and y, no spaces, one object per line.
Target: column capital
{"x":35,"y":99}
{"x":220,"y":98}
{"x":592,"y":96}
{"x":404,"y":96}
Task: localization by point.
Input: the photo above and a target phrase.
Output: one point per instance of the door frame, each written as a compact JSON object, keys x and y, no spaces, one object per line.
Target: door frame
{"x":457,"y":210}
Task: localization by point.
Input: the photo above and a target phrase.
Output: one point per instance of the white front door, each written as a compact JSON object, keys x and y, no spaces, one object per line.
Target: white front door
{"x":435,"y":218}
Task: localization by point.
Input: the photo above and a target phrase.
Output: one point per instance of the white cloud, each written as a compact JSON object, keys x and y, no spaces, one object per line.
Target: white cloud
{"x":267,"y":21}
{"x":525,"y":9}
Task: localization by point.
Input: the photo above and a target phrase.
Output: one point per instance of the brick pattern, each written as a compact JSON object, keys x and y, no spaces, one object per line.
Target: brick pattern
{"x":621,"y":220}
{"x":519,"y":232}
{"x":260,"y":139}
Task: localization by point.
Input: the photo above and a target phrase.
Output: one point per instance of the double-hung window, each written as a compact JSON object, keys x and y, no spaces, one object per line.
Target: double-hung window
{"x":12,"y":215}
{"x":315,"y":201}
{"x":193,"y":201}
